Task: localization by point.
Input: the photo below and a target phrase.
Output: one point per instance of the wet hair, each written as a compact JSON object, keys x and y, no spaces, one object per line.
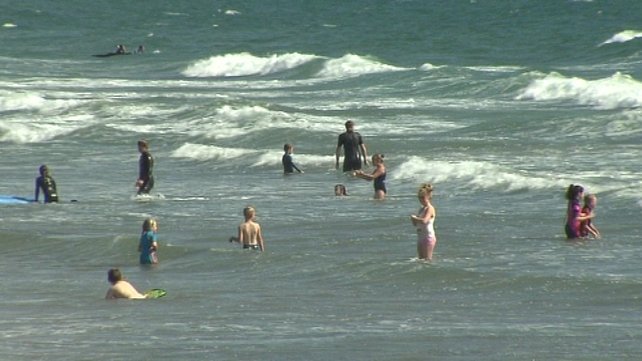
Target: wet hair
{"x":349,"y":124}
{"x":249,"y":212}
{"x":148,"y":224}
{"x":589,"y":200}
{"x":143,"y":144}
{"x":573,"y":191}
{"x":114,"y":275}
{"x":43,"y":169}
{"x":287,"y":147}
{"x":377,"y":155}
{"x":425,"y":190}
{"x":340,"y":190}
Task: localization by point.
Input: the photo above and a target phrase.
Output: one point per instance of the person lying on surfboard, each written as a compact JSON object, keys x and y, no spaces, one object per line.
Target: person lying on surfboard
{"x":120,"y":288}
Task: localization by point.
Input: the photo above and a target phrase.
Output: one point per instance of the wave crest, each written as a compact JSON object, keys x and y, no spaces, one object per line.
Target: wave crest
{"x":474,"y":174}
{"x":351,"y":65}
{"x":623,"y":37}
{"x":616,"y":91}
{"x":245,"y":64}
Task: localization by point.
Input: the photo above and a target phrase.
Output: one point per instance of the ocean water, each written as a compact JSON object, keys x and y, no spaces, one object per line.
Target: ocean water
{"x":500,"y":104}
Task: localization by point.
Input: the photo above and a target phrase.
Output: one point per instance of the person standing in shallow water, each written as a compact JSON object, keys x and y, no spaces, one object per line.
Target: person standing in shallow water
{"x":148,"y":243}
{"x":47,"y":184}
{"x":574,"y":216}
{"x":353,"y":148}
{"x":249,"y":235}
{"x":424,"y":222}
{"x":145,"y":181}
{"x":378,"y":176}
{"x":286,"y":160}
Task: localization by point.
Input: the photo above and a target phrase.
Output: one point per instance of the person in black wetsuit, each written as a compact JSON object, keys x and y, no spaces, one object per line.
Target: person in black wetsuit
{"x":353,"y":148}
{"x":288,"y":163}
{"x":48,"y":186}
{"x":145,"y":181}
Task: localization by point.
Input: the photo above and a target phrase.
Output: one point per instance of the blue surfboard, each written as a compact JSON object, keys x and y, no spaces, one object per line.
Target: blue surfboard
{"x":4,"y":199}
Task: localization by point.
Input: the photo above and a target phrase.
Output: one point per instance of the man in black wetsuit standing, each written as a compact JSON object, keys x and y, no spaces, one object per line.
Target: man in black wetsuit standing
{"x":353,"y":148}
{"x":145,"y":181}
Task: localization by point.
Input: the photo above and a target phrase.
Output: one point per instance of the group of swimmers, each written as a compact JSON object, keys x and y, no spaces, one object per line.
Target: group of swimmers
{"x":355,"y":151}
{"x":249,"y":235}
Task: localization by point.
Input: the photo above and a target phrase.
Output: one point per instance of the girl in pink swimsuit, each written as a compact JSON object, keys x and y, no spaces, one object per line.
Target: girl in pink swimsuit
{"x":424,"y":222}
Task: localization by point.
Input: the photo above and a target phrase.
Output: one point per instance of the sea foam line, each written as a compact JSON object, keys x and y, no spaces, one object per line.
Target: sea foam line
{"x":616,"y":91}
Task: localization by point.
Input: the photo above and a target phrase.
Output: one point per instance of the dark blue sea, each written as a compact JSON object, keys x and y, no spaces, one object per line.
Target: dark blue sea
{"x":499,"y":104}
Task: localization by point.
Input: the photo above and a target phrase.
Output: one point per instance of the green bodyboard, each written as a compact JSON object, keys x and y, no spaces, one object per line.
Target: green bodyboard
{"x":155,"y":293}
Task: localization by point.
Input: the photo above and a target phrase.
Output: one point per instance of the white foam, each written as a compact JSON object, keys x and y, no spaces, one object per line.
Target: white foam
{"x":623,"y":37}
{"x":210,"y":152}
{"x":351,"y":65}
{"x":272,"y":158}
{"x":616,"y":91}
{"x":475,"y":174}
{"x":9,"y":25}
{"x":245,"y":64}
{"x":39,"y":129}
{"x":428,"y":67}
{"x":20,"y":101}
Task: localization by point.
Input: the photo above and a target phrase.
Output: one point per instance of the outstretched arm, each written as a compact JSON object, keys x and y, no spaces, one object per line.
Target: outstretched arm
{"x":377,"y":172}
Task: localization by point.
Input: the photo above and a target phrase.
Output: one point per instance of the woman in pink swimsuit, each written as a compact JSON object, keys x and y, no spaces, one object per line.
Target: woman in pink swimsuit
{"x":424,"y":222}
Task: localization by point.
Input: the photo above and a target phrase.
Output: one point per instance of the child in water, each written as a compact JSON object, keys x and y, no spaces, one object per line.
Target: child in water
{"x":288,"y":163}
{"x":378,"y":176}
{"x":47,"y":184}
{"x":586,"y":226}
{"x":249,"y":232}
{"x":424,"y":222}
{"x":148,"y":244}
{"x":340,"y":190}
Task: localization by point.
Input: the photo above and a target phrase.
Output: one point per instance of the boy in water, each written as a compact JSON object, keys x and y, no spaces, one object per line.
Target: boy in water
{"x":288,"y":163}
{"x":47,"y":184}
{"x":249,"y":235}
{"x":121,"y":288}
